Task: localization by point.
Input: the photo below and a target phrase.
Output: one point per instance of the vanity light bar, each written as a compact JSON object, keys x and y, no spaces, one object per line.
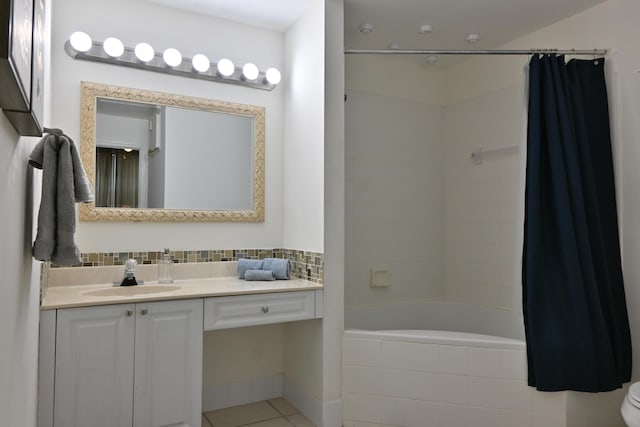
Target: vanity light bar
{"x":80,"y":46}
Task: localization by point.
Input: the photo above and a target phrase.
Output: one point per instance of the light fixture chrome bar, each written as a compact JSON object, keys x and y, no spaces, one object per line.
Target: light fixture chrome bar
{"x":128,"y":59}
{"x":582,"y":52}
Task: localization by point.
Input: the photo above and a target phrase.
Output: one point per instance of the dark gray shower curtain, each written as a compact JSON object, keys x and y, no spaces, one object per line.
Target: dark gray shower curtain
{"x":576,"y":322}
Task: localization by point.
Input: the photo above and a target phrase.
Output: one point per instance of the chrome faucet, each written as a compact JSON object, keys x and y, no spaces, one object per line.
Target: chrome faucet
{"x":129,"y":277}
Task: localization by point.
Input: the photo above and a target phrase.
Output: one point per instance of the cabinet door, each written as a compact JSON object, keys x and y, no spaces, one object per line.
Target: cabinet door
{"x":168,"y":364}
{"x":94,"y":367}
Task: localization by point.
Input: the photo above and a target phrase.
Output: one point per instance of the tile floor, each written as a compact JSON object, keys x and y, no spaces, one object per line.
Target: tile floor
{"x":269,"y":413}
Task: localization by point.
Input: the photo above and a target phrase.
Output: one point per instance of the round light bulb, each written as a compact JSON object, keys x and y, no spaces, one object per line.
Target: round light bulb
{"x":225,"y":67}
{"x":80,"y":41}
{"x":250,"y":71}
{"x":273,"y":76}
{"x":144,"y":52}
{"x":200,"y":62}
{"x":113,"y":47}
{"x":172,"y":57}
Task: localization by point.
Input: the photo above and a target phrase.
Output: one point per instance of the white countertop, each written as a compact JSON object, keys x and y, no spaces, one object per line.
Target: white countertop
{"x":89,"y":295}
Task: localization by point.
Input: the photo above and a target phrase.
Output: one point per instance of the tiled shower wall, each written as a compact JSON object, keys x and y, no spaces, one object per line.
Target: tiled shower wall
{"x":484,"y":202}
{"x":418,"y":206}
{"x":394,"y":199}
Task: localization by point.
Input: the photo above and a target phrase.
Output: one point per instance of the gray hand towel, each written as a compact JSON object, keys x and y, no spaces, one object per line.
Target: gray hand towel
{"x":245,"y":264}
{"x":64,"y":182}
{"x":281,"y":267}
{"x":254,"y":275}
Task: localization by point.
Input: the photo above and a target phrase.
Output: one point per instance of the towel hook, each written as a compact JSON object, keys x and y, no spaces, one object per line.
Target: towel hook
{"x":53,"y":131}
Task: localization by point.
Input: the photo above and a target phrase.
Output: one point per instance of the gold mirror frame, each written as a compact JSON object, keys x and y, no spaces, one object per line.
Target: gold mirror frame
{"x":88,"y":211}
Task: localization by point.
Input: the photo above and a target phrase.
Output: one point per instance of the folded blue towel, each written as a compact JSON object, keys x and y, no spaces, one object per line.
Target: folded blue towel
{"x":245,"y":264}
{"x":281,"y":268}
{"x":252,"y":275}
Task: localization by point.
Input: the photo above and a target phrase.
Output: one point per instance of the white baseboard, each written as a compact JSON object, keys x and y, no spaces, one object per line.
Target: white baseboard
{"x":332,"y":413}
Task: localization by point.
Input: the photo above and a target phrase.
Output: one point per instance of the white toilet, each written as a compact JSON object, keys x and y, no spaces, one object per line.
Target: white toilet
{"x":631,"y":406}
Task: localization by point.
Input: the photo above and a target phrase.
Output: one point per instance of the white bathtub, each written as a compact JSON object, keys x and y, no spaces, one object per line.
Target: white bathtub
{"x":440,"y":365}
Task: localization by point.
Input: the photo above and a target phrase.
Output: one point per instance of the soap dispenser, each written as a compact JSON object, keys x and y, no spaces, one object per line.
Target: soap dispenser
{"x":165,"y":268}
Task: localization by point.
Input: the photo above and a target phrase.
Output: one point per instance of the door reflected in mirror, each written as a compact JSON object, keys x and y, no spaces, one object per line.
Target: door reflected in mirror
{"x":188,"y":159}
{"x":161,"y":157}
{"x":117,"y":177}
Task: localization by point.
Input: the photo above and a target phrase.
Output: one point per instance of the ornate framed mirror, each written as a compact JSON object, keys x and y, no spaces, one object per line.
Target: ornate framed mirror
{"x":154,"y":156}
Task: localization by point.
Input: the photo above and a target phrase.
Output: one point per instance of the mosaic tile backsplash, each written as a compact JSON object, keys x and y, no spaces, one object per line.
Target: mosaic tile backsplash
{"x":304,"y":265}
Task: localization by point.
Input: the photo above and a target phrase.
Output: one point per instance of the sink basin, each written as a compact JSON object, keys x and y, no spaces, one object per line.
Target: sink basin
{"x":132,"y":290}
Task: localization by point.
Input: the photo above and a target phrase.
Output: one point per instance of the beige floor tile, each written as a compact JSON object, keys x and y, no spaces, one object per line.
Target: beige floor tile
{"x":278,"y":422}
{"x":283,"y":406}
{"x":205,"y":422}
{"x":241,"y":415}
{"x":299,"y":420}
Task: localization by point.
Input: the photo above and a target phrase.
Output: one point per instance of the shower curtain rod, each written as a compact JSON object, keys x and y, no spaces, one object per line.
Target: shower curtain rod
{"x":592,"y":52}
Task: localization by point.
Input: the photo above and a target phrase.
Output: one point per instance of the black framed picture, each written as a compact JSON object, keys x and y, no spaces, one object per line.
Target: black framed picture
{"x":16,"y":44}
{"x":22,"y":64}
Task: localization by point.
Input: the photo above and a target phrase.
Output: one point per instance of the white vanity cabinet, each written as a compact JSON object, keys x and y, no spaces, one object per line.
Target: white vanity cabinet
{"x":139,"y":364}
{"x":128,"y":365}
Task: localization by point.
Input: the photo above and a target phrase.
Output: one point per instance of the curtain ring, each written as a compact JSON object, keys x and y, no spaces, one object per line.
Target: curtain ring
{"x":595,"y":58}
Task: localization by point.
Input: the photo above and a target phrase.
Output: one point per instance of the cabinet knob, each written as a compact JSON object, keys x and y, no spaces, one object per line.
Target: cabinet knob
{"x":129,"y":313}
{"x":144,"y":311}
{"x":265,"y":309}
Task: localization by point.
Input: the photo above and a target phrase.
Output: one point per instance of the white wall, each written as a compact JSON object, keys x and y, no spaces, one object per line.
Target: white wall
{"x":303,"y":79}
{"x":190,"y":33}
{"x":303,"y":200}
{"x":394,"y":180}
{"x":20,"y":281}
{"x":215,"y":161}
{"x":483,"y":203}
{"x":20,"y":286}
{"x":334,"y":210}
{"x":395,"y":76}
{"x":394,"y":175}
{"x":242,"y":365}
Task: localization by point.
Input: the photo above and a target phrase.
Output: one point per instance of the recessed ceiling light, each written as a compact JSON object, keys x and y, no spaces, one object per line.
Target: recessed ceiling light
{"x":366,"y":28}
{"x":432,"y":59}
{"x":425,"y":29}
{"x":473,"y":38}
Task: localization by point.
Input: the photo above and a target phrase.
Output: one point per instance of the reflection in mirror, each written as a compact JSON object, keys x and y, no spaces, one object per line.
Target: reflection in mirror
{"x":147,"y":155}
{"x":161,"y":157}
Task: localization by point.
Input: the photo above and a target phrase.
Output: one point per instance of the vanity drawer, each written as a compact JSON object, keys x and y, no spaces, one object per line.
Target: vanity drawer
{"x":247,"y":310}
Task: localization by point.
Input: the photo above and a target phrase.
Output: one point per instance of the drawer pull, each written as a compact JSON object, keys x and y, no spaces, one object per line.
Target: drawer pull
{"x":265,"y":309}
{"x":128,"y":313}
{"x":144,"y":311}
